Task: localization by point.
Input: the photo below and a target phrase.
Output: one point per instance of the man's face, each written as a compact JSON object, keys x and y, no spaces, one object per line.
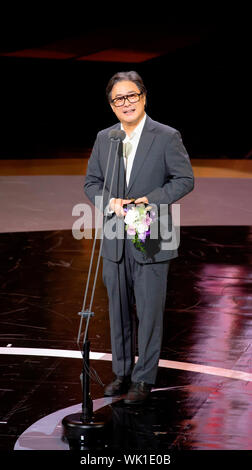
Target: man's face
{"x":130,"y":114}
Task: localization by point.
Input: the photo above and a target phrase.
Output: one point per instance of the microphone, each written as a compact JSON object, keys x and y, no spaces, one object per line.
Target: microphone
{"x":116,"y":134}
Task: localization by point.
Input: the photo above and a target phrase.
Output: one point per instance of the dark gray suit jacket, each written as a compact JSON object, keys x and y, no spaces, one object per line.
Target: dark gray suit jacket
{"x":161,"y":171}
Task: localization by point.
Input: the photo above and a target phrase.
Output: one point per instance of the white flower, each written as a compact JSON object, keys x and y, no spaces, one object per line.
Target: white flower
{"x":141,"y":227}
{"x":131,"y":216}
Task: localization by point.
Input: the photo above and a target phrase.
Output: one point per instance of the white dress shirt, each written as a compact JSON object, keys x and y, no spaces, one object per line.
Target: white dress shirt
{"x":130,"y":144}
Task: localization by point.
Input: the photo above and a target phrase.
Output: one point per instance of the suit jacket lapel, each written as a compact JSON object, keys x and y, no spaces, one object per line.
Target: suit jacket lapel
{"x":144,"y":145}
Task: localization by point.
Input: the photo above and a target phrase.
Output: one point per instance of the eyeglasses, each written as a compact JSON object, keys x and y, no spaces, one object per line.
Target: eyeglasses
{"x":132,"y":98}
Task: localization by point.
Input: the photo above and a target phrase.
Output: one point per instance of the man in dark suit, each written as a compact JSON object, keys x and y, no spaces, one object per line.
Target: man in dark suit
{"x":153,"y":167}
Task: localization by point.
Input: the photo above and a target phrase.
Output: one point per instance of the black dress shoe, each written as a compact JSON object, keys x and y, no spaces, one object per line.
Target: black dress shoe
{"x":119,"y":386}
{"x":138,"y":393}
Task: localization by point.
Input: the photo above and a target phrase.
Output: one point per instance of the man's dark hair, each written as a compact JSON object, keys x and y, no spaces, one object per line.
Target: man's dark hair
{"x":131,"y":76}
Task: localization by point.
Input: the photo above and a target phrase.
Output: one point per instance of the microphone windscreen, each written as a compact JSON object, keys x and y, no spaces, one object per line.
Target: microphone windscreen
{"x":116,"y":134}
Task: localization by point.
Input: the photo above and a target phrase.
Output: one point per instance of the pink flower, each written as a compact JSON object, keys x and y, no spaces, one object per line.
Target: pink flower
{"x":131,"y":230}
{"x":148,"y":220}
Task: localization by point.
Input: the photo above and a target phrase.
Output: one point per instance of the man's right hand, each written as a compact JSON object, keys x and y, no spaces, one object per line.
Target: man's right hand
{"x":116,"y":205}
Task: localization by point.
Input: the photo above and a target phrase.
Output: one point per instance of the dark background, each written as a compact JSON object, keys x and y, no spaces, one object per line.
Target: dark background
{"x":52,"y":107}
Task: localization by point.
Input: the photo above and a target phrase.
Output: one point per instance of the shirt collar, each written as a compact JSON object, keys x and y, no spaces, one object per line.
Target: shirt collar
{"x":137,"y":131}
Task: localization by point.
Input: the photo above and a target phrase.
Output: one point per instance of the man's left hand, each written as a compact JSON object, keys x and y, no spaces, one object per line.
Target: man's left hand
{"x":142,"y":200}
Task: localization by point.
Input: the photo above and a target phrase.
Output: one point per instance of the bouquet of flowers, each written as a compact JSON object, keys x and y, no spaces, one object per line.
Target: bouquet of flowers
{"x":138,"y":220}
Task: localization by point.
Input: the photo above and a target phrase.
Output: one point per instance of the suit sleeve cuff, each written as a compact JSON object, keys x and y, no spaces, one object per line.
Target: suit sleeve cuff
{"x":107,"y":210}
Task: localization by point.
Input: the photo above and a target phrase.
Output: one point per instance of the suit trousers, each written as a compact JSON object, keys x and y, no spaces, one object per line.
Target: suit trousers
{"x":130,"y":282}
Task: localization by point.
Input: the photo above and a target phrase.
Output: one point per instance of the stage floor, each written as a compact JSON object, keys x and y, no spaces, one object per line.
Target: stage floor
{"x":203,"y":395}
{"x":207,"y":324}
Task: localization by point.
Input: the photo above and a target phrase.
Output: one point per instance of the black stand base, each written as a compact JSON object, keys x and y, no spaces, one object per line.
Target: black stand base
{"x":91,"y":434}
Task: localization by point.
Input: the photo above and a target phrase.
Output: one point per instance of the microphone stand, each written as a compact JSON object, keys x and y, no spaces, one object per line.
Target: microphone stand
{"x":88,"y":429}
